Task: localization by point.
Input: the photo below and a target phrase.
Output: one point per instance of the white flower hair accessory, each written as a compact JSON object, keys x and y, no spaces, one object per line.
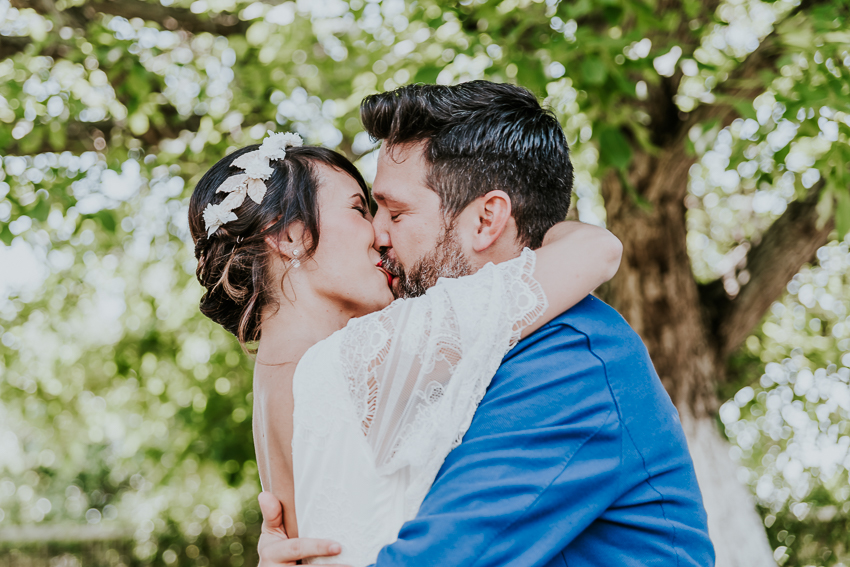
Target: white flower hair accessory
{"x":251,"y":183}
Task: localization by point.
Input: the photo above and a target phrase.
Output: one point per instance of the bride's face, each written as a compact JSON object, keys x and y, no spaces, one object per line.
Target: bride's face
{"x":345,"y":265}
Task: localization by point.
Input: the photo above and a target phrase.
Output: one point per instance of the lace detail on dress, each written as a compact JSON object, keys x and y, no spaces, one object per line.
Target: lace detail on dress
{"x":399,"y":362}
{"x":367,"y":350}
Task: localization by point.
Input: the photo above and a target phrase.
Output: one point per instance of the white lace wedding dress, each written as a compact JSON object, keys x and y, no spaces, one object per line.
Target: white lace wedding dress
{"x":380,"y":403}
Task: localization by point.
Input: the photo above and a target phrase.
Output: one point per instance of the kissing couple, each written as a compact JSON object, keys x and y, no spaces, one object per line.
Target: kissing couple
{"x":434,"y":385}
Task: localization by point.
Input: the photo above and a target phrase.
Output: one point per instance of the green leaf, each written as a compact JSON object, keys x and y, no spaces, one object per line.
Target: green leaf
{"x":40,"y":211}
{"x":427,"y":74}
{"x":744,"y":108}
{"x":578,"y":9}
{"x":593,"y":70}
{"x":530,"y":75}
{"x":613,"y":14}
{"x":107,"y":219}
{"x":58,"y":138}
{"x":842,"y":213}
{"x":31,"y":143}
{"x":614,"y":149}
{"x":6,"y":235}
{"x":780,"y":155}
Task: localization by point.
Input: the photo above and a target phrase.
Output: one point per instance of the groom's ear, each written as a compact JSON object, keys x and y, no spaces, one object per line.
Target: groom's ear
{"x":494,"y":215}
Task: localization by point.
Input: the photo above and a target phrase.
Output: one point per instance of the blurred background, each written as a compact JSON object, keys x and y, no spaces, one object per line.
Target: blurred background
{"x":710,"y":136}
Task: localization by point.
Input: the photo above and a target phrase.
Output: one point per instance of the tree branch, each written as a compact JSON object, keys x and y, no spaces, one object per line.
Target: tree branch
{"x":81,"y":136}
{"x":79,"y":16}
{"x":743,"y":83}
{"x":789,"y":243}
{"x":10,"y":45}
{"x":670,"y":128}
{"x":166,"y":16}
{"x":170,"y":18}
{"x":13,"y":45}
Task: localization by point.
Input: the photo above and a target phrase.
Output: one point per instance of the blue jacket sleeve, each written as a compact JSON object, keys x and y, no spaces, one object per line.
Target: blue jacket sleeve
{"x":539,"y":463}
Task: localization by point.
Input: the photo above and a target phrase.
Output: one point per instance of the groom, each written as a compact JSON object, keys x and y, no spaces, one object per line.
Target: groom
{"x":576,"y":456}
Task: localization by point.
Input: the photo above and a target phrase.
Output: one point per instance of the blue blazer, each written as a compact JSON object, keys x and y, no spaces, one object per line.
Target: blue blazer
{"x":576,"y":457}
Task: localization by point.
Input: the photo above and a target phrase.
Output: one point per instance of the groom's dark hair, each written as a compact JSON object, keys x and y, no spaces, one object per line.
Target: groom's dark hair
{"x":479,"y":136}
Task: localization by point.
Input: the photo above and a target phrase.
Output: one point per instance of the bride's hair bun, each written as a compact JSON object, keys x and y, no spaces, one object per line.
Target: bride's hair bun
{"x":234,"y":261}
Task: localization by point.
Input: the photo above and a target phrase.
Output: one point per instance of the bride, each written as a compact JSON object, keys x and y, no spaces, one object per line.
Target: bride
{"x":358,"y":398}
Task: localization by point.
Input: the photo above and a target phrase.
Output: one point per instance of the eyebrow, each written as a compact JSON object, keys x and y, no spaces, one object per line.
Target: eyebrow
{"x":380,"y":196}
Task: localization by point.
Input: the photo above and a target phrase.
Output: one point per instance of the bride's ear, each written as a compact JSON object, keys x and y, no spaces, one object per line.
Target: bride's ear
{"x":291,"y":242}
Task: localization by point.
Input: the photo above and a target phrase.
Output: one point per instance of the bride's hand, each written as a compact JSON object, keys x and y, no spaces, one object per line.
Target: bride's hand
{"x":276,"y":549}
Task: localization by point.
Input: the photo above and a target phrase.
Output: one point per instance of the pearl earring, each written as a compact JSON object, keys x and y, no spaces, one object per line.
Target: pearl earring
{"x":296,"y":263}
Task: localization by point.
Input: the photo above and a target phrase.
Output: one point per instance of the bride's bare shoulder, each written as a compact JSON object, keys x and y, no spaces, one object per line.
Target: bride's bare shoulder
{"x":273,"y":385}
{"x":275,"y":367}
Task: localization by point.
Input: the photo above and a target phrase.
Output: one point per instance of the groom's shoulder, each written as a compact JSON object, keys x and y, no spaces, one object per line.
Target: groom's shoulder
{"x":605,"y":331}
{"x":593,"y":316}
{"x":588,"y":346}
{"x":591,"y":350}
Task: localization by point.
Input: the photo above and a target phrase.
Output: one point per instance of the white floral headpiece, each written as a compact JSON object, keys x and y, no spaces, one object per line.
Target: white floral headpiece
{"x":251,"y":183}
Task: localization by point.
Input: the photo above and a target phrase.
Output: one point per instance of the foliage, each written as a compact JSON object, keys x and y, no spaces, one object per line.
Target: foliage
{"x":122,"y":406}
{"x":792,"y":428}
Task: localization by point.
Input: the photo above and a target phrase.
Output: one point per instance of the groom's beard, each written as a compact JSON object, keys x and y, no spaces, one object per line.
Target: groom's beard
{"x":446,"y":261}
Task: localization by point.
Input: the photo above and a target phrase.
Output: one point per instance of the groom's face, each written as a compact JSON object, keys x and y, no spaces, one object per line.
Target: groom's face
{"x":417,"y":242}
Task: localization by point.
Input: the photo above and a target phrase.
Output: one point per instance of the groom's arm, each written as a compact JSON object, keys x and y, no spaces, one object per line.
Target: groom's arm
{"x":540,"y":462}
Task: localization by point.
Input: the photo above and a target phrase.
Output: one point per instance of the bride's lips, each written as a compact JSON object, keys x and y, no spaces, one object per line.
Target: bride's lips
{"x":380,"y":266}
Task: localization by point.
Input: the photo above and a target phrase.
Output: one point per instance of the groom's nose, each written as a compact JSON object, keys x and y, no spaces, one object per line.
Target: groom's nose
{"x":380,"y":226}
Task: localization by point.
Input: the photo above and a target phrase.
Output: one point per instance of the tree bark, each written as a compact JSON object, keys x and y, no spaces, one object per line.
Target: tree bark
{"x":690,"y":332}
{"x":655,"y":289}
{"x":657,"y":294}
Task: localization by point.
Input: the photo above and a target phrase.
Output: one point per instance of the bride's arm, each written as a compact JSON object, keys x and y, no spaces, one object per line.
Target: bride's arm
{"x":575,"y":259}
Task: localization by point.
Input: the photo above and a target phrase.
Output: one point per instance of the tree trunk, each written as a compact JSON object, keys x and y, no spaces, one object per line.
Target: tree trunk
{"x":657,"y":294}
{"x":733,"y":523}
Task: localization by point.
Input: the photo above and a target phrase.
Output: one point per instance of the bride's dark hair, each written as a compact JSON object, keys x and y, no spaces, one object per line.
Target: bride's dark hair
{"x":234,"y":261}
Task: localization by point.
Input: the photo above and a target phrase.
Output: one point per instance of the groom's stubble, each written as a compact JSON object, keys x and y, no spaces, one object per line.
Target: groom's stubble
{"x":446,"y":261}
